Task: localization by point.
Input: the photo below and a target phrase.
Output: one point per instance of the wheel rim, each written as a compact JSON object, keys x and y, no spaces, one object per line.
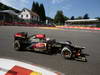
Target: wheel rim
{"x":66,"y":54}
{"x":16,"y":46}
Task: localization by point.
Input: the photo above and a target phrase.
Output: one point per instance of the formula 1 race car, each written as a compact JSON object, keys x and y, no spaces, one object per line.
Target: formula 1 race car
{"x":39,"y":43}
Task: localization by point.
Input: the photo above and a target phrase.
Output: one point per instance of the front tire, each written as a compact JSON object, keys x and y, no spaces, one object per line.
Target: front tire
{"x":66,"y":53}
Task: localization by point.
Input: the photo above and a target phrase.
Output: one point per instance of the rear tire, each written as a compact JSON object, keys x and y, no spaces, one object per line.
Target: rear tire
{"x":17,"y":45}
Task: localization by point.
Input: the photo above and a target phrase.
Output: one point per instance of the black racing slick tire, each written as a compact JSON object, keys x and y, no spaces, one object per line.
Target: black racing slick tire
{"x":66,"y":53}
{"x":17,"y":45}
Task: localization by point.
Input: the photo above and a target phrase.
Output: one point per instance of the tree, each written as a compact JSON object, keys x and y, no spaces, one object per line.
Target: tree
{"x":86,"y":16}
{"x":72,"y":18}
{"x":39,"y":9}
{"x":59,"y":18}
{"x":42,"y":13}
{"x":33,"y":7}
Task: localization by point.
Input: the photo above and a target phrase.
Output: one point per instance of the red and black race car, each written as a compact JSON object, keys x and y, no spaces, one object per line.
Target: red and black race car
{"x":40,"y":43}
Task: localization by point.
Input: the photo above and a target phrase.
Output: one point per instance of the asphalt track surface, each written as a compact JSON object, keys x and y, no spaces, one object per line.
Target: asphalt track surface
{"x":91,"y":40}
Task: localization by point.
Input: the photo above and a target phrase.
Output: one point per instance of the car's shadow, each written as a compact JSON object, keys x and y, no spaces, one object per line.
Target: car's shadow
{"x":55,"y":52}
{"x":46,"y":53}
